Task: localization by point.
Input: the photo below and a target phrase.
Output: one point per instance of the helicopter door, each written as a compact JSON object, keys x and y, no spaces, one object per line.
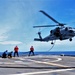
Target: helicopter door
{"x":57,"y":32}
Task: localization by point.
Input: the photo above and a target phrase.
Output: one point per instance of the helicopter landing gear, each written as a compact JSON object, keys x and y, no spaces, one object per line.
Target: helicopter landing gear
{"x":70,"y":39}
{"x":60,"y":38}
{"x":52,"y":43}
{"x":39,"y":33}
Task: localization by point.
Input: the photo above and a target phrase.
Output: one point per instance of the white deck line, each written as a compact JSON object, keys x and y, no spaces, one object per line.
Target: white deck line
{"x":43,"y":72}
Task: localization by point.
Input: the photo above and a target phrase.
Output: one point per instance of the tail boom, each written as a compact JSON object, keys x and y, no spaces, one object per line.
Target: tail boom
{"x":37,"y":39}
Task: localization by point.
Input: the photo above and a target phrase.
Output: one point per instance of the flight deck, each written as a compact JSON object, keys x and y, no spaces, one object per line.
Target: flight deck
{"x":38,"y":65}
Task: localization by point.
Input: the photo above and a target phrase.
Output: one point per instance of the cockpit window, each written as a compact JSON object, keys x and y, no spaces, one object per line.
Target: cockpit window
{"x":70,"y":27}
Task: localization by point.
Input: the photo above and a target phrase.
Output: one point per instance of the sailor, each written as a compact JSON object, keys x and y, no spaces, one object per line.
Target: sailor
{"x":31,"y":50}
{"x":10,"y":54}
{"x":16,"y":51}
{"x":4,"y":55}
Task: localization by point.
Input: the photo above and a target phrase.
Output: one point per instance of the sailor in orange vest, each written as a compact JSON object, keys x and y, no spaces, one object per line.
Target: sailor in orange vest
{"x":31,"y":50}
{"x":16,"y":51}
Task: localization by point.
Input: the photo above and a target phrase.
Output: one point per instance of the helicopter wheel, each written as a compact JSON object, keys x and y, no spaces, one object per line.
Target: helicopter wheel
{"x":70,"y":39}
{"x":52,"y":43}
{"x":39,"y":33}
{"x":60,"y":38}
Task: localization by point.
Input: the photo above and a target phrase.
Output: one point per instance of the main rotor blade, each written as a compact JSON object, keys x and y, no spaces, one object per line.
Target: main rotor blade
{"x":45,"y":26}
{"x":49,"y":16}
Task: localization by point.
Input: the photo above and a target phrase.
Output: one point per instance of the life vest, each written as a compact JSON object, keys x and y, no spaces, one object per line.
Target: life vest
{"x":31,"y":49}
{"x":16,"y":49}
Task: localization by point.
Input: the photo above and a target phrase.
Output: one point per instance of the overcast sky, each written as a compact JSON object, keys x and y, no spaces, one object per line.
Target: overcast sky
{"x":17,"y":18}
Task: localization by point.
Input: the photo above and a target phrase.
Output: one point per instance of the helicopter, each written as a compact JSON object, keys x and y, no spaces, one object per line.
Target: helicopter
{"x":61,"y":32}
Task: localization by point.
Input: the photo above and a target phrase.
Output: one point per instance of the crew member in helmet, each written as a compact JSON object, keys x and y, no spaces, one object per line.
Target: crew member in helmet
{"x":57,"y":33}
{"x":10,"y":54}
{"x":4,"y":55}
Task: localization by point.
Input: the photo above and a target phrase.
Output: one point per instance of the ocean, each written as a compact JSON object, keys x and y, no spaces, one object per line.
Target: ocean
{"x":65,"y":53}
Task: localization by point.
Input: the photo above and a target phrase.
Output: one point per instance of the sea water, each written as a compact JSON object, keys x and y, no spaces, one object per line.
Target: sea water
{"x":66,"y":53}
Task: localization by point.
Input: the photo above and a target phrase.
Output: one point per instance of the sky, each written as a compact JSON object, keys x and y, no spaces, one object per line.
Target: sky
{"x":17,"y":18}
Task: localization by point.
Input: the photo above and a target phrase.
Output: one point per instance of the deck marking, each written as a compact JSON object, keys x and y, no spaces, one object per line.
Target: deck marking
{"x":43,"y":72}
{"x":58,"y":59}
{"x":49,"y":63}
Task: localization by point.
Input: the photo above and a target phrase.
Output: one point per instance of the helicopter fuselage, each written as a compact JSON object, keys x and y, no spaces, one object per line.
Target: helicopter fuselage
{"x":59,"y":33}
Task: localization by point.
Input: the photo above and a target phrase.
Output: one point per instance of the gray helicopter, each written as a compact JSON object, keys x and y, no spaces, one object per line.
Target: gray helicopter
{"x":59,"y":33}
